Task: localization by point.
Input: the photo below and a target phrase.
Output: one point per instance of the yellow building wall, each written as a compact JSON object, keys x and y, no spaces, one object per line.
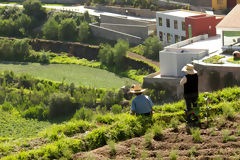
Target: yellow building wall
{"x":219,"y":4}
{"x":238,"y":1}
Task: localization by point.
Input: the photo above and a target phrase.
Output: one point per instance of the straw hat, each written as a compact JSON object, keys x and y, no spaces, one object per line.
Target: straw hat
{"x":137,"y":89}
{"x":189,"y":69}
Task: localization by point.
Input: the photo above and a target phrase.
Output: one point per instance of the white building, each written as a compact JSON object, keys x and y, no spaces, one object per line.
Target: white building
{"x":171,"y":27}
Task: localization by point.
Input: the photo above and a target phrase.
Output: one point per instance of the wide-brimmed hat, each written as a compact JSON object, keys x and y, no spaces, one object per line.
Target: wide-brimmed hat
{"x":137,"y":89}
{"x":189,"y":69}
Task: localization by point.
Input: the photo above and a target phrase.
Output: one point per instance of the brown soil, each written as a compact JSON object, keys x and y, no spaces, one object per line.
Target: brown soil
{"x":211,"y":147}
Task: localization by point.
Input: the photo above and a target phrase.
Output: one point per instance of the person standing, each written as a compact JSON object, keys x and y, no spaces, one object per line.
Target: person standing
{"x":190,"y":84}
{"x":141,"y":104}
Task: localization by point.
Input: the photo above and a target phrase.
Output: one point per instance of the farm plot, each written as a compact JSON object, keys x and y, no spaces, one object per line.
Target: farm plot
{"x":70,"y":73}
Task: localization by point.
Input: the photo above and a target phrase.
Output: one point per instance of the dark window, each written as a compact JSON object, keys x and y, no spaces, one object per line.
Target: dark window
{"x":160,"y":21}
{"x":161,"y":36}
{"x":175,"y":24}
{"x":176,"y":38}
{"x":183,"y":38}
{"x":183,"y":26}
{"x":168,"y":23}
{"x":169,"y":38}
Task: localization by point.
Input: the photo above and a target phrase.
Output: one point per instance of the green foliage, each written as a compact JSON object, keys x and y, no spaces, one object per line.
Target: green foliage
{"x":7,"y":106}
{"x":228,"y":111}
{"x":36,"y":112}
{"x":67,"y":30}
{"x":196,"y":135}
{"x":133,"y":151}
{"x":116,"y":109}
{"x":173,"y":155}
{"x":106,"y":119}
{"x":157,"y":132}
{"x":84,"y":32}
{"x":34,"y":9}
{"x":60,"y":104}
{"x":50,"y":29}
{"x":105,"y":54}
{"x":139,"y":49}
{"x":174,"y":123}
{"x":152,"y":46}
{"x":84,"y":114}
{"x":214,"y":59}
{"x":148,"y":139}
{"x":227,"y":137}
{"x":192,"y":152}
{"x":111,"y":145}
{"x":17,"y":49}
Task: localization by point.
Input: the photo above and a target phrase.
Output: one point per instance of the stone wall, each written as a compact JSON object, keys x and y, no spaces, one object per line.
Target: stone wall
{"x":206,"y":3}
{"x":121,"y":20}
{"x":114,"y":35}
{"x":136,"y":30}
{"x":147,"y":13}
{"x":74,"y":48}
{"x":213,"y":78}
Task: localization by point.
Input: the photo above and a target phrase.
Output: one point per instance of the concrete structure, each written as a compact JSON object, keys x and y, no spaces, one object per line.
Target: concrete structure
{"x":176,"y":25}
{"x":174,"y":58}
{"x":230,"y":27}
{"x":224,"y":4}
{"x":114,"y":28}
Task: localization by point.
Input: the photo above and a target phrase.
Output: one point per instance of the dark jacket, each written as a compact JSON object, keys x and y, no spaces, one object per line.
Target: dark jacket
{"x":191,"y":86}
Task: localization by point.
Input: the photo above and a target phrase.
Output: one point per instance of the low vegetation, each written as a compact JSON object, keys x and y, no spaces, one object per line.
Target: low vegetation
{"x":214,"y":59}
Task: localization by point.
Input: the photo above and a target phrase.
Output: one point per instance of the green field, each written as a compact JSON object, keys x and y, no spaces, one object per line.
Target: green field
{"x":12,"y":125}
{"x":79,"y":75}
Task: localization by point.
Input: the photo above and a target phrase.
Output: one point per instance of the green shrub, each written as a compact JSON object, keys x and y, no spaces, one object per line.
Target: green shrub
{"x":60,"y":104}
{"x":106,"y":119}
{"x":111,"y":145}
{"x":192,"y":152}
{"x":116,"y":109}
{"x":133,"y":151}
{"x":97,"y":138}
{"x":228,"y":111}
{"x":84,"y":114}
{"x":36,"y":112}
{"x":157,"y":132}
{"x":7,"y":106}
{"x":196,"y":135}
{"x":173,"y":155}
{"x":227,"y":137}
{"x":174,"y":123}
{"x":148,"y":139}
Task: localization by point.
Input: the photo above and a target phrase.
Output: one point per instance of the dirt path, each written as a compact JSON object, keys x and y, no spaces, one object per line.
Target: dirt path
{"x":134,"y":55}
{"x":211,"y":147}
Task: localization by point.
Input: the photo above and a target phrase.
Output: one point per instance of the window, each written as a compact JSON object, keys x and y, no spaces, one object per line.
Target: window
{"x":160,"y":21}
{"x":175,"y":24}
{"x":176,"y":38}
{"x":183,"y":26}
{"x":169,"y":38}
{"x":168,"y":23}
{"x":219,"y":1}
{"x":183,"y":38}
{"x":161,"y":36}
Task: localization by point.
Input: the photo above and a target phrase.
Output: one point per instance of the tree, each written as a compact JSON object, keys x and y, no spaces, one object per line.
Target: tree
{"x":33,"y":8}
{"x":67,"y":30}
{"x":120,"y":49}
{"x":50,"y":29}
{"x":83,"y":33}
{"x":152,"y":46}
{"x":23,"y":24}
{"x":106,"y":54}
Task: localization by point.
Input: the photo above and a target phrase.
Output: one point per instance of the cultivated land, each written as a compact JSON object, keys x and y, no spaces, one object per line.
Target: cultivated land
{"x":70,"y":73}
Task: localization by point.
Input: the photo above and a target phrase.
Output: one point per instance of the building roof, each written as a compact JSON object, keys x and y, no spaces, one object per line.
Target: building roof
{"x":180,"y":13}
{"x":231,"y":20}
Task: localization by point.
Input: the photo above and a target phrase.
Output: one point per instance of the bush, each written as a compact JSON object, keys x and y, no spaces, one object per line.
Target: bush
{"x":67,"y":30}
{"x":84,"y":32}
{"x":228,"y":111}
{"x":174,"y":123}
{"x":148,"y":139}
{"x":196,"y":135}
{"x":84,"y":114}
{"x":34,"y":8}
{"x":227,"y":137}
{"x":50,"y":29}
{"x":152,"y":46}
{"x":116,"y":109}
{"x":60,"y":104}
{"x":157,"y":132}
{"x":111,"y":145}
{"x":7,"y":106}
{"x":36,"y":112}
{"x":173,"y":155}
{"x":133,"y":151}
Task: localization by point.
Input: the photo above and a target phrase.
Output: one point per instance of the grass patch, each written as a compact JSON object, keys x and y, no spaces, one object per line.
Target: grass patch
{"x":139,"y":49}
{"x":232,"y":60}
{"x":70,"y":73}
{"x":12,"y":125}
{"x":227,"y":137}
{"x":214,"y":59}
